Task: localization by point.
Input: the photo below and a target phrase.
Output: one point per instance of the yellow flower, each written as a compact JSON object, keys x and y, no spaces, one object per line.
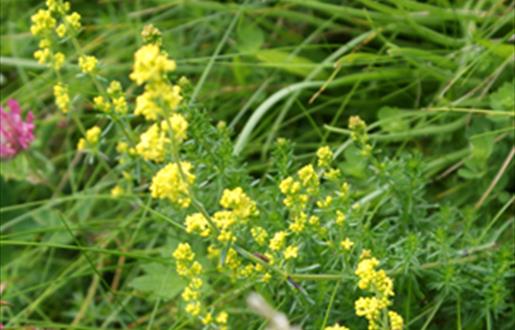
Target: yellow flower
{"x":172,"y":182}
{"x":45,"y":43}
{"x":224,"y":219}
{"x":222,"y":318}
{"x":73,"y":20}
{"x":196,"y":283}
{"x":151,"y":34}
{"x":366,"y":271}
{"x":58,"y":61}
{"x":355,"y":122}
{"x":298,"y":223}
{"x":259,"y":234}
{"x":120,"y":105}
{"x":277,"y":242}
{"x":101,"y":103}
{"x":325,"y":156}
{"x":325,"y":203}
{"x":213,"y":252}
{"x":178,"y":124}
{"x":332,"y":174}
{"x":232,"y":260}
{"x":42,"y":22}
{"x":369,"y":307}
{"x":151,"y":145}
{"x":291,"y":252}
{"x":340,"y":218}
{"x":158,"y":99}
{"x":91,"y":138}
{"x":193,"y":308}
{"x":58,"y":6}
{"x":309,"y":178}
{"x":396,"y":321}
{"x":87,"y":64}
{"x":117,"y":191}
{"x":336,"y":327}
{"x":359,"y":130}
{"x":207,"y":319}
{"x":314,"y":220}
{"x":197,"y":223}
{"x":115,"y":87}
{"x":62,"y":99}
{"x":150,"y":64}
{"x":183,"y":252}
{"x":241,"y":204}
{"x":346,"y":244}
{"x":42,"y":55}
{"x":61,"y":30}
{"x":190,"y":294}
{"x":289,"y":186}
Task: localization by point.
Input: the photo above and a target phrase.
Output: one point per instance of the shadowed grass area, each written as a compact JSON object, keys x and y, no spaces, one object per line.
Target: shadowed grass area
{"x":433,"y":81}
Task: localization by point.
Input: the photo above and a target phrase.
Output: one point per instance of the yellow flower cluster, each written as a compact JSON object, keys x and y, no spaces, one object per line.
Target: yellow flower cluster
{"x":150,"y":64}
{"x":189,"y":268}
{"x":197,"y":223}
{"x":376,"y":281}
{"x":44,"y":22}
{"x":173,"y":182}
{"x":90,"y":140}
{"x":277,"y":242}
{"x":116,"y":100}
{"x":151,"y":145}
{"x":291,"y":252}
{"x":159,"y":96}
{"x":294,"y":199}
{"x":62,"y":98}
{"x":87,"y":64}
{"x":117,"y":191}
{"x":325,"y":156}
{"x":396,"y":321}
{"x":158,"y":101}
{"x":347,"y":244}
{"x":241,"y":205}
{"x":324,"y":159}
{"x":359,"y":134}
{"x":309,"y":179}
{"x":239,"y":208}
{"x":336,"y":327}
{"x":259,"y":234}
{"x":47,"y":24}
{"x":156,"y":139}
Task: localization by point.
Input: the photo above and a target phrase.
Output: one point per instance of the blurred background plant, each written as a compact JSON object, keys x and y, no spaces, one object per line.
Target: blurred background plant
{"x":433,"y":81}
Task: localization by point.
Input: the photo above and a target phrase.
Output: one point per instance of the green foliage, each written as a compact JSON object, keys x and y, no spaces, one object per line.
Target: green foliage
{"x":432,"y":198}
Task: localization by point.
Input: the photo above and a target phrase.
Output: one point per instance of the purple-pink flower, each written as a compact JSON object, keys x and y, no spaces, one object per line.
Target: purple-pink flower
{"x":15,"y":134}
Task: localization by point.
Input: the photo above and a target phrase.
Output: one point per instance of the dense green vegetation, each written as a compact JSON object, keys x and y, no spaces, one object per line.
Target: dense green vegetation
{"x":425,"y":179}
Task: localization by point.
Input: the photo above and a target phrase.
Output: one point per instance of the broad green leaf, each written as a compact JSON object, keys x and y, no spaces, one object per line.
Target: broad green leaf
{"x":298,"y":65}
{"x":391,"y":120}
{"x":355,"y":163}
{"x":503,"y":99}
{"x":159,"y":282}
{"x":249,"y":37}
{"x":481,"y":147}
{"x":16,"y":168}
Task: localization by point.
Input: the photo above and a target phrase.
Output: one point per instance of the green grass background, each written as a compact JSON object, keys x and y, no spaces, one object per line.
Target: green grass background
{"x":433,"y":78}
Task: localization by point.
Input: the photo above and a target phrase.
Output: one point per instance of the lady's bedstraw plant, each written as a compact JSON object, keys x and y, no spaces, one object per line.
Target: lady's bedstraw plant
{"x":260,"y":242}
{"x":52,"y":25}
